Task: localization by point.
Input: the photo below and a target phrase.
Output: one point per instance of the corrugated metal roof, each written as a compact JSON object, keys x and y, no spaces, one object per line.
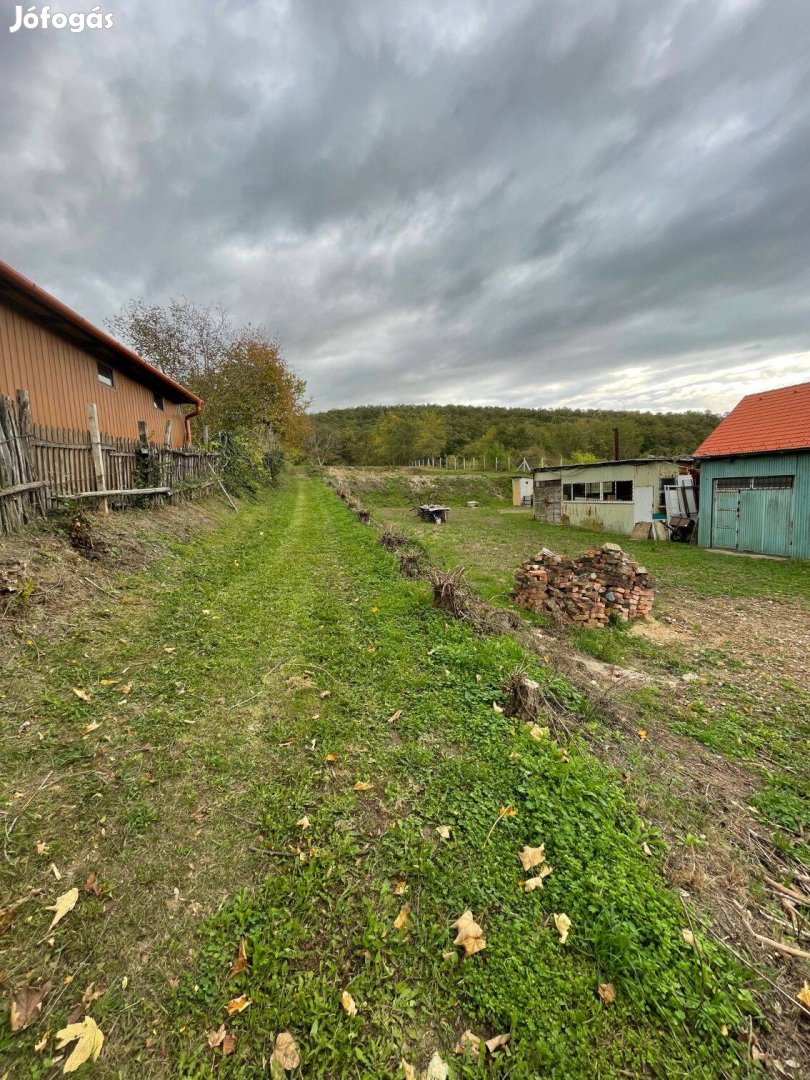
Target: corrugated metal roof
{"x":621,"y":461}
{"x":763,"y":423}
{"x":63,"y":320}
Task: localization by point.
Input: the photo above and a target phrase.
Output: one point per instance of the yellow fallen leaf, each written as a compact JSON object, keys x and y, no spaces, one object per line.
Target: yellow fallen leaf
{"x":107,"y":682}
{"x":688,"y":937}
{"x":361,"y":785}
{"x":286,"y":1051}
{"x":468,"y":1043}
{"x":169,"y":649}
{"x":238,"y":1004}
{"x":303,"y":822}
{"x":402,"y":919}
{"x":470,"y":935}
{"x":507,"y":811}
{"x":496,"y":708}
{"x":92,"y":726}
{"x":392,"y":719}
{"x":607,"y":992}
{"x":538,"y":732}
{"x":347,"y":1001}
{"x":43,"y":1042}
{"x":82,"y":695}
{"x":532,"y":856}
{"x":536,"y":882}
{"x":496,"y":1042}
{"x":43,"y":848}
{"x":324,"y":694}
{"x":437,"y":1069}
{"x":65,"y":903}
{"x":443,"y":831}
{"x":408,"y":1071}
{"x":88,"y":1038}
{"x":331,"y":757}
{"x":216,"y":1036}
{"x":804,"y":995}
{"x":563,"y":924}
{"x":400,"y":888}
{"x":642,"y":734}
{"x":240,"y":963}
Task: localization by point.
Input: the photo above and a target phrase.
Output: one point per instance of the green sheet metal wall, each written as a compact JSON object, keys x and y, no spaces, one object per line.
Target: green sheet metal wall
{"x":763,"y":514}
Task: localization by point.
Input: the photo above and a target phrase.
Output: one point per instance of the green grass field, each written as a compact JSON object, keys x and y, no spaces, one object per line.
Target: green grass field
{"x":232,"y":699}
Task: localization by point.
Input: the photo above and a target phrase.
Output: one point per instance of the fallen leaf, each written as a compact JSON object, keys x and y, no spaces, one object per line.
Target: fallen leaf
{"x":468,"y":1043}
{"x":303,"y":822}
{"x":470,"y":935}
{"x":331,"y":757}
{"x":82,"y":695}
{"x":169,"y":648}
{"x":392,"y":719}
{"x":532,"y":856}
{"x":65,"y":903}
{"x":443,"y":831}
{"x":125,"y":982}
{"x":215,"y":1037}
{"x":361,"y":785}
{"x":347,"y":1001}
{"x":538,"y":732}
{"x":7,"y":917}
{"x":92,"y":726}
{"x":324,"y":694}
{"x":402,"y":919}
{"x":240,"y":963}
{"x":400,"y":888}
{"x":238,"y":1004}
{"x":91,"y":994}
{"x":563,"y":924}
{"x":43,"y":1042}
{"x":688,"y":937}
{"x":228,"y":1044}
{"x":26,"y":1005}
{"x":286,"y":1051}
{"x":92,"y":885}
{"x":107,"y":682}
{"x":642,"y":734}
{"x":437,"y":1069}
{"x":88,"y":1038}
{"x":496,"y":708}
{"x":507,"y":811}
{"x":804,"y":995}
{"x":408,"y":1070}
{"x":42,"y":848}
{"x":607,"y":992}
{"x":125,"y":688}
{"x":536,"y":882}
{"x":496,"y":1042}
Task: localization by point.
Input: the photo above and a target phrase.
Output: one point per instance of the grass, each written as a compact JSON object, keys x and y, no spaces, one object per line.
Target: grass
{"x":294,"y":638}
{"x":723,"y":710}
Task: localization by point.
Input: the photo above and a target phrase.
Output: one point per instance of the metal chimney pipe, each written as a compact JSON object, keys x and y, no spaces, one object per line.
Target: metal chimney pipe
{"x":615,"y":444}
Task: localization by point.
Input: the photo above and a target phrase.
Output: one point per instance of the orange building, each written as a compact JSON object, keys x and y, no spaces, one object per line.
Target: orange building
{"x":64,"y":362}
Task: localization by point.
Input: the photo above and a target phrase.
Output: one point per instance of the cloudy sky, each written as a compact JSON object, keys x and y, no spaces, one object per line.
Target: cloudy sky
{"x":533,"y":202}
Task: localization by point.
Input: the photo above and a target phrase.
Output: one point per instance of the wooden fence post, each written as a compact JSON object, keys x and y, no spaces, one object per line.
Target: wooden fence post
{"x":26,"y":426}
{"x":98,"y":457}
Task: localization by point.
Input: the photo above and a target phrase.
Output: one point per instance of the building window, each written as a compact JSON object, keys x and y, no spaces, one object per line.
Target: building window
{"x":105,"y":374}
{"x":624,"y":491}
{"x":664,"y":482}
{"x":749,"y":483}
{"x":157,"y":400}
{"x":593,"y":491}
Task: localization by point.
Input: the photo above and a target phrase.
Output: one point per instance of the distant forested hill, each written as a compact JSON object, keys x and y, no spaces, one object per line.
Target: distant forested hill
{"x":402,"y":434}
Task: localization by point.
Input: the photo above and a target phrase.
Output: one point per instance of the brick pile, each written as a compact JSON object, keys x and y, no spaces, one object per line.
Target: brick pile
{"x":586,"y":591}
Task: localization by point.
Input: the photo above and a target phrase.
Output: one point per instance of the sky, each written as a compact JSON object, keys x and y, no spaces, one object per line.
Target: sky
{"x":511,"y":202}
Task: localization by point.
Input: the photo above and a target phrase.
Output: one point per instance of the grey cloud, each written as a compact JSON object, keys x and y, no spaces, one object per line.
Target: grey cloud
{"x":460,"y":200}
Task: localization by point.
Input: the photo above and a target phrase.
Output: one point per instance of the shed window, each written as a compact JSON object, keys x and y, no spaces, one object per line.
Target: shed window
{"x":664,"y":482}
{"x":105,"y":374}
{"x":593,"y":491}
{"x":157,"y":400}
{"x":746,"y":483}
{"x":579,"y":491}
{"x":568,"y":492}
{"x":624,"y":490}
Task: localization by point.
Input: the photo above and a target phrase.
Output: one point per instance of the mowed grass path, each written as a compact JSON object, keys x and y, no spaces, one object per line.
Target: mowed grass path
{"x":294,"y":644}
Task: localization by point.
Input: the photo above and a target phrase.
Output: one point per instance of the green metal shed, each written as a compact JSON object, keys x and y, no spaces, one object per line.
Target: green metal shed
{"x":755,"y":476}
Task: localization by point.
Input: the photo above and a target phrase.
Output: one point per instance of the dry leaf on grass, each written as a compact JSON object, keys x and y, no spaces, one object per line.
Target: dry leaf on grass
{"x":408,"y":1071}
{"x":7,"y":917}
{"x":536,"y":882}
{"x":42,"y":847}
{"x":91,"y":885}
{"x":803,"y":995}
{"x":392,"y":719}
{"x":126,"y":688}
{"x":303,"y":822}
{"x":324,"y":694}
{"x":607,"y":992}
{"x":443,"y":831}
{"x":107,"y":682}
{"x":94,"y":725}
{"x":496,"y":1042}
{"x":331,"y":757}
{"x":468,"y":1043}
{"x":496,"y":708}
{"x":538,"y":732}
{"x":216,"y":1036}
{"x":240,"y":963}
{"x":642,"y":734}
{"x":228,"y":1044}
{"x":65,"y":903}
{"x":26,"y":1005}
{"x":88,"y":1038}
{"x":238,"y":1004}
{"x":437,"y":1069}
{"x":169,"y":648}
{"x":563,"y":924}
{"x":402,"y":919}
{"x":470,"y":935}
{"x":43,"y":1042}
{"x":688,"y":937}
{"x":532,"y":856}
{"x":348,"y":1003}
{"x":361,"y":785}
{"x":400,"y":888}
{"x":82,"y":695}
{"x":285,"y":1052}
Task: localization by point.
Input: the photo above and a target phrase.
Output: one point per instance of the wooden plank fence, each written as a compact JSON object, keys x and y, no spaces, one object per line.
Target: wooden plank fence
{"x":42,"y":468}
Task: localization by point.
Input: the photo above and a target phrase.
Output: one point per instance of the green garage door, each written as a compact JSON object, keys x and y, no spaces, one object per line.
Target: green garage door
{"x":753,"y":513}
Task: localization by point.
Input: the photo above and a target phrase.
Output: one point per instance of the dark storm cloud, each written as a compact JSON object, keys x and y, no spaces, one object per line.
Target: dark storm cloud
{"x":516,"y":202}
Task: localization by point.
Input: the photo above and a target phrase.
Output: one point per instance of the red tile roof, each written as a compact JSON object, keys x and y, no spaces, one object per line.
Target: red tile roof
{"x":773,"y":420}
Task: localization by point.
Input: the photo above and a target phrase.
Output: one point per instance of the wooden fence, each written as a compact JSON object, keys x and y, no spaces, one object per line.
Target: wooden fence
{"x":43,"y":467}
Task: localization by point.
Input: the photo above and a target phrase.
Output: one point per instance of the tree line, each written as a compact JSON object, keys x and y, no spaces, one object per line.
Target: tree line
{"x":404,"y":434}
